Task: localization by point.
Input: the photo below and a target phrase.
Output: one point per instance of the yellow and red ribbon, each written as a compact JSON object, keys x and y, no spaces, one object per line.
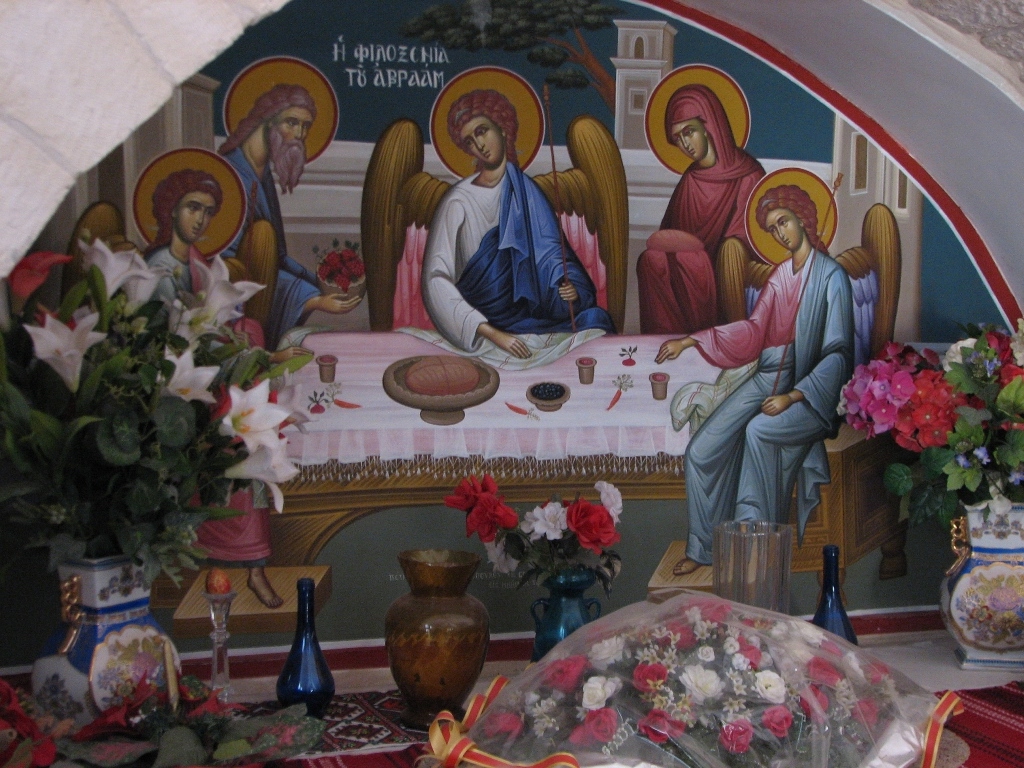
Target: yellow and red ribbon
{"x":948,"y":706}
{"x":449,"y":744}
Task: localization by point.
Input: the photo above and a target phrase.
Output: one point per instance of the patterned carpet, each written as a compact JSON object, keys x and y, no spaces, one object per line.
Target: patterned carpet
{"x":992,"y":724}
{"x":359,"y":723}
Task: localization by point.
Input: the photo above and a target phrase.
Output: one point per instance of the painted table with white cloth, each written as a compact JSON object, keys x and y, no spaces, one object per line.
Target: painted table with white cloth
{"x":507,"y":425}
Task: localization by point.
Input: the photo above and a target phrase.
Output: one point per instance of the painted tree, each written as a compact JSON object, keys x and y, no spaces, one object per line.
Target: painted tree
{"x":551,"y":31}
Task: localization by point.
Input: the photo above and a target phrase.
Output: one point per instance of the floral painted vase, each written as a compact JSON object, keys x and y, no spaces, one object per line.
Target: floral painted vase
{"x":982,"y":596}
{"x":108,"y":641}
{"x":565,"y":611}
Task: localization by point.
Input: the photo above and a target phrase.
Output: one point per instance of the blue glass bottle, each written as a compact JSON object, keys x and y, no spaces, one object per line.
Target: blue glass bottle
{"x":306,"y":678}
{"x":830,"y":614}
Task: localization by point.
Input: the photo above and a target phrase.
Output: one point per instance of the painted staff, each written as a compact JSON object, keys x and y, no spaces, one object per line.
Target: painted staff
{"x":558,"y":198}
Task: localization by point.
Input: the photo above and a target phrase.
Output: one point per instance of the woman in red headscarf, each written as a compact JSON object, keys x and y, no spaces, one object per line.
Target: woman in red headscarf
{"x":676,"y":273}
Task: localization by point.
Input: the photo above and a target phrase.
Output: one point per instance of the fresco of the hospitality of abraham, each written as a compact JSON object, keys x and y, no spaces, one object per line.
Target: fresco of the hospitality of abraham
{"x":591,"y":229}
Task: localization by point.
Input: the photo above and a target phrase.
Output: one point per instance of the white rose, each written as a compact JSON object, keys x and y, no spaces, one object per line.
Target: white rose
{"x":731,"y":645}
{"x":770,"y":686}
{"x":607,"y":652}
{"x":611,"y":499}
{"x":955,"y":354}
{"x":741,"y":662}
{"x":1017,"y":343}
{"x":598,"y":689}
{"x":810,"y":633}
{"x":706,"y":654}
{"x":701,"y":683}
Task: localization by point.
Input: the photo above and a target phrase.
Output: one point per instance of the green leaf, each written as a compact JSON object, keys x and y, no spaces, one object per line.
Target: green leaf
{"x":180,"y":746}
{"x":18,"y":488}
{"x":47,"y":432}
{"x":288,"y":366}
{"x":898,"y":479}
{"x":229,"y":750}
{"x":148,"y":376}
{"x":961,"y":378}
{"x":118,"y":438}
{"x":15,"y":454}
{"x":219,"y":513}
{"x":87,"y":390}
{"x":72,"y":300}
{"x":3,"y":359}
{"x":246,"y":368}
{"x":974,"y":416}
{"x":15,"y":406}
{"x":1011,"y":398}
{"x":934,"y":461}
{"x":142,"y":498}
{"x":98,"y":288}
{"x":175,"y":422}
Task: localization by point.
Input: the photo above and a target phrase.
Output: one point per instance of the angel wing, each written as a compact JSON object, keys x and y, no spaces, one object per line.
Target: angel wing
{"x":593,"y":196}
{"x":101,"y":220}
{"x":874,"y":269}
{"x":400,"y":198}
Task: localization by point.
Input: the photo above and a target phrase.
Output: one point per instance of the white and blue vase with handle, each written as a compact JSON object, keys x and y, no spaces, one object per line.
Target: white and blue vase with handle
{"x":107,"y":644}
{"x":982,"y":596}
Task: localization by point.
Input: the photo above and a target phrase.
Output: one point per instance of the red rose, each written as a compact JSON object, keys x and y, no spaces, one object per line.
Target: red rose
{"x":599,"y":726}
{"x":830,"y":647}
{"x":1008,"y":373}
{"x":1000,"y":343}
{"x":777,"y":719}
{"x":752,"y":652}
{"x":466,"y":493}
{"x":736,"y":736}
{"x":647,"y":678}
{"x":487,"y":516}
{"x":712,"y":610}
{"x":500,"y":723}
{"x":659,"y":727}
{"x":592,"y":524}
{"x":821,"y":671}
{"x":684,"y":632}
{"x":875,"y":671}
{"x":814,"y":703}
{"x":565,"y":674}
{"x":866,"y":711}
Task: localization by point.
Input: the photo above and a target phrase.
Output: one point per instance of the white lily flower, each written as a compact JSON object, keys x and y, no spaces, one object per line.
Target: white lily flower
{"x":253,"y":418}
{"x":62,"y":348}
{"x":189,"y":382}
{"x":611,"y":499}
{"x":269,"y":464}
{"x":547,"y":522}
{"x":222,"y":298}
{"x":139,"y":285}
{"x":117,"y":268}
{"x":499,"y":558}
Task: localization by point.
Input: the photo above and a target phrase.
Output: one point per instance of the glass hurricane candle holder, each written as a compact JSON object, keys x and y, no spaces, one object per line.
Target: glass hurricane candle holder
{"x":220,"y":609}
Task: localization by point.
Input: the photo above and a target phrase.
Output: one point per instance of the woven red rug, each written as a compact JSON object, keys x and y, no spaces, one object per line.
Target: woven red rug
{"x":992,"y":724}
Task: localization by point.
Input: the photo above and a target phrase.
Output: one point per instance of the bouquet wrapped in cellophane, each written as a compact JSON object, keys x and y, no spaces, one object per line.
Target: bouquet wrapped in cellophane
{"x":700,"y":681}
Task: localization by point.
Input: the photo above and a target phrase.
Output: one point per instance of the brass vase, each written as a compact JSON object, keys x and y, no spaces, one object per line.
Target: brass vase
{"x":436,"y":636}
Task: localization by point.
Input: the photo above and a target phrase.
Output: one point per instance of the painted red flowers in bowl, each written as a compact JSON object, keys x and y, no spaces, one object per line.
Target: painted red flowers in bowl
{"x":341,"y":270}
{"x":963,"y":414}
{"x":550,"y":538}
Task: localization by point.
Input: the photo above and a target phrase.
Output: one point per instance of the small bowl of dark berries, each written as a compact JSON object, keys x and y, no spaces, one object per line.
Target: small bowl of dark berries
{"x":547,"y":395}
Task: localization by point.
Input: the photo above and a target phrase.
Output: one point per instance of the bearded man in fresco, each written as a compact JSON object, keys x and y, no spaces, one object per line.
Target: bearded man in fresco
{"x":272,"y":139}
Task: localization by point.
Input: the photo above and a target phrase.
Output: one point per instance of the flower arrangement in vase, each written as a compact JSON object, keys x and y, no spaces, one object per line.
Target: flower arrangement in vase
{"x":563,"y":547}
{"x":964,"y":416}
{"x":130,"y":421}
{"x":340,"y":270}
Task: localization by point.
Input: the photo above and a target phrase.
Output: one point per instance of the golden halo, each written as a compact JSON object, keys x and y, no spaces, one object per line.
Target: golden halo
{"x":508,"y":84}
{"x":726,"y":89}
{"x":260,"y":76}
{"x":229,"y":219}
{"x":764,"y":244}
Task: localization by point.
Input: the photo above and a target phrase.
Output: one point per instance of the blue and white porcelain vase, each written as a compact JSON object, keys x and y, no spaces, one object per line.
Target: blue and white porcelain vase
{"x":108,"y":641}
{"x":982,"y":596}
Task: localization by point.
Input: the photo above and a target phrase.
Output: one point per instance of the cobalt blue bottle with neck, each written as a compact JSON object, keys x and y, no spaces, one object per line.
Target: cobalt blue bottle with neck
{"x":306,"y":678}
{"x":830,"y":614}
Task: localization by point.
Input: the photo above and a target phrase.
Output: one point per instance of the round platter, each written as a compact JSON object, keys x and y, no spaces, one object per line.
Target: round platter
{"x":442,"y":410}
{"x":547,"y":395}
